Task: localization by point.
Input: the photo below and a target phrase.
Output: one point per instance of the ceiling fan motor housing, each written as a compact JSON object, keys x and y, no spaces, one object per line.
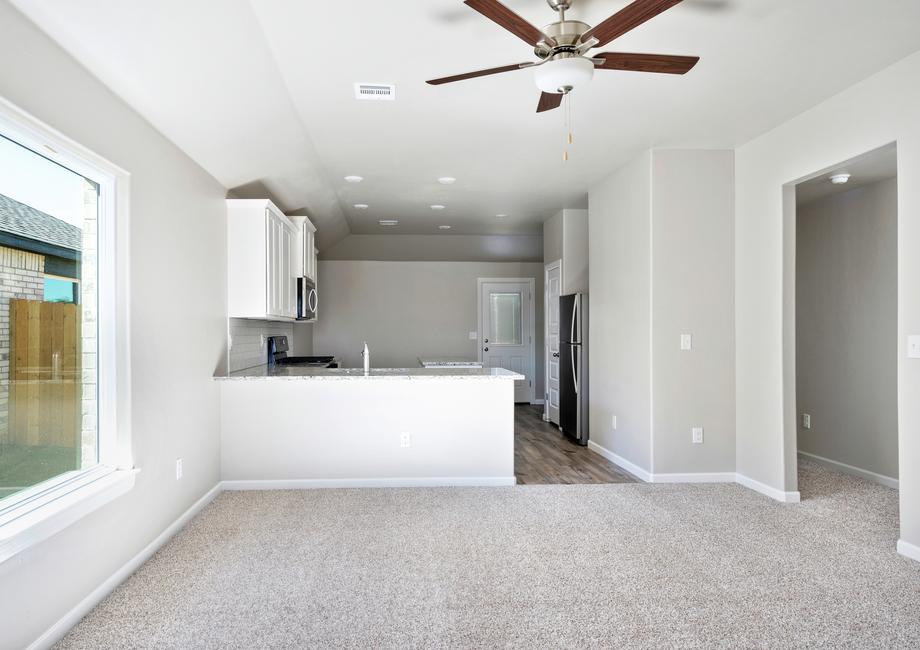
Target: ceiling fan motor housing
{"x":563,"y":73}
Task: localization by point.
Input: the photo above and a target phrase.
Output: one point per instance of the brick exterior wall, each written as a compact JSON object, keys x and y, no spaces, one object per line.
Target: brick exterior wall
{"x":22,"y":275}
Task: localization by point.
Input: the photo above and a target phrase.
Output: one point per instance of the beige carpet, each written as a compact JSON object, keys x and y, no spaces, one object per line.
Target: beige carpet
{"x":589,"y":566}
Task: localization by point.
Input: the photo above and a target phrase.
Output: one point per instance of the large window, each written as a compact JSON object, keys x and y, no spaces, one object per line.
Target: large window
{"x":48,"y":356}
{"x":64,"y":391}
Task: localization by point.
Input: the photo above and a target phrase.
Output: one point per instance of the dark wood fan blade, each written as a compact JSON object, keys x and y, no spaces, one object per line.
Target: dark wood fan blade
{"x":630,"y":17}
{"x":478,"y":73}
{"x":549,"y":101}
{"x":665,"y":63}
{"x":499,"y":13}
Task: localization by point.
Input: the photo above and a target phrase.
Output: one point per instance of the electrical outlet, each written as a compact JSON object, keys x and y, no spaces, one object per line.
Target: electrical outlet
{"x":913,"y":347}
{"x":178,"y":468}
{"x":806,"y":421}
{"x":686,"y":342}
{"x":261,"y":341}
{"x":613,"y":422}
{"x":697,"y":435}
{"x":405,"y":440}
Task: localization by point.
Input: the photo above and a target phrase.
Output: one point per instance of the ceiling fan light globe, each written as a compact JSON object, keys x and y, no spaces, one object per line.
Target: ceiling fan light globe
{"x":571,"y":72}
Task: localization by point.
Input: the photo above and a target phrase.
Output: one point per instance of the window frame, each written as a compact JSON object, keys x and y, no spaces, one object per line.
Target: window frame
{"x":39,"y":511}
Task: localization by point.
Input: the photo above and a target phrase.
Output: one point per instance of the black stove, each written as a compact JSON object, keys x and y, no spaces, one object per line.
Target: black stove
{"x":277,"y":356}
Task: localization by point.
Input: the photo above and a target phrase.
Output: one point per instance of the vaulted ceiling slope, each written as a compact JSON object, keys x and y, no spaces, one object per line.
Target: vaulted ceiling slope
{"x":260,"y":93}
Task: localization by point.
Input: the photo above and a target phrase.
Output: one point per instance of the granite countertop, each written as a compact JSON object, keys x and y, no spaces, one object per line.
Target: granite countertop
{"x":357,"y":374}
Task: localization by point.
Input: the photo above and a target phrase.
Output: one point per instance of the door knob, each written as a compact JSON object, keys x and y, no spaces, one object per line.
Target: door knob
{"x":487,"y":340}
{"x":485,"y":349}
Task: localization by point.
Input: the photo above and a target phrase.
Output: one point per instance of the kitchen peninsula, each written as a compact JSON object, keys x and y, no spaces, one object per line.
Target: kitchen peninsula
{"x":300,"y":427}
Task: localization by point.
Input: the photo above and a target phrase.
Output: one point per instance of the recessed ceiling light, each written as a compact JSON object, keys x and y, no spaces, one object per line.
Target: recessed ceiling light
{"x":437,"y":207}
{"x":361,"y":206}
{"x":501,"y":216}
{"x":388,"y":222}
{"x":447,"y":180}
{"x":443,"y":227}
{"x":840,"y":179}
{"x":354,"y":179}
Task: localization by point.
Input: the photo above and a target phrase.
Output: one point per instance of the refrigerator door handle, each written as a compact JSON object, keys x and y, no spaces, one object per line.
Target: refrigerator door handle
{"x":574,"y":374}
{"x":574,"y":315}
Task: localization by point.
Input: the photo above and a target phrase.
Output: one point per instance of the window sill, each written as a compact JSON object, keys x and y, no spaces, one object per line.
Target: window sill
{"x":23,"y":531}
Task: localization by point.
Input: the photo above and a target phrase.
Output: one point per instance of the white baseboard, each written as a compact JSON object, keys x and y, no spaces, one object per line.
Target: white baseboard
{"x":909,"y":550}
{"x":57,"y":631}
{"x":619,"y":461}
{"x":538,"y":402}
{"x":881,"y":479}
{"x":763,"y":488}
{"x":319,"y":483}
{"x":695,"y":477}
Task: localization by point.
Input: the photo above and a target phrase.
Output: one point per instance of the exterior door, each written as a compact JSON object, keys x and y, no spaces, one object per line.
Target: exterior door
{"x":553,"y":284}
{"x":506,"y":336}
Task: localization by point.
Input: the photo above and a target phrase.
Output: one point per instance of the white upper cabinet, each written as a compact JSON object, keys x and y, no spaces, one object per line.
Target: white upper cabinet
{"x":306,"y":248}
{"x":262,"y":248}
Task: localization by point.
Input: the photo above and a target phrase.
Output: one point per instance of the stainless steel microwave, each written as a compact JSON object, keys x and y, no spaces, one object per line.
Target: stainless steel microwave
{"x":307,"y":300}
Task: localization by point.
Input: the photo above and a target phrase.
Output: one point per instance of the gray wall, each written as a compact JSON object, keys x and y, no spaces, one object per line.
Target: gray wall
{"x":846,"y":327}
{"x":620,"y":327}
{"x":661,"y":265}
{"x":565,"y":237}
{"x":574,"y":251}
{"x":178,"y":330}
{"x":438,"y":248}
{"x":693,"y":293}
{"x":552,"y":238}
{"x":409,"y":309}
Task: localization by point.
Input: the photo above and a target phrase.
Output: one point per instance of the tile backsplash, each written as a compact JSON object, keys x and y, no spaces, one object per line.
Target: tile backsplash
{"x":246,"y":348}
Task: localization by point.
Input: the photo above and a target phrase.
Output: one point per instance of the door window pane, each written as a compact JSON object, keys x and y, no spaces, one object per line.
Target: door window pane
{"x":506,"y":319}
{"x":48,"y":361}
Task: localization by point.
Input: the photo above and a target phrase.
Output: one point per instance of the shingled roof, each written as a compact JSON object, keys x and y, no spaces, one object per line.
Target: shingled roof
{"x":19,"y":219}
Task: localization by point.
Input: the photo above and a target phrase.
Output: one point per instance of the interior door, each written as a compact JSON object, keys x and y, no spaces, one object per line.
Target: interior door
{"x":506,"y":339}
{"x":553,"y":284}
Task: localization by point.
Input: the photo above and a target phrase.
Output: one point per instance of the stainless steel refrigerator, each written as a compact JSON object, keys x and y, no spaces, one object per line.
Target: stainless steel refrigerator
{"x":573,"y":366}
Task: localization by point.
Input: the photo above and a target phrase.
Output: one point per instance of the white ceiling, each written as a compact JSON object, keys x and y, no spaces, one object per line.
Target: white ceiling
{"x":260,"y":93}
{"x":871,"y":167}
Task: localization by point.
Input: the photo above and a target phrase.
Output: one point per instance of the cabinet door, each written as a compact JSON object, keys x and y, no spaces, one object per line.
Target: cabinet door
{"x":287,"y":269}
{"x":273,"y":277}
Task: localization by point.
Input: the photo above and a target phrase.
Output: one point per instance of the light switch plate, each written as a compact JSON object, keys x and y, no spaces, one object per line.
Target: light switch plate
{"x":697,"y":435}
{"x":913,"y":347}
{"x":686,"y":342}
{"x":474,"y":336}
{"x":806,"y":421}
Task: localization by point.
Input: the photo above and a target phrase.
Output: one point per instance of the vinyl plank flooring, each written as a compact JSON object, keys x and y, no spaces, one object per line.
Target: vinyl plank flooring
{"x":542,"y":455}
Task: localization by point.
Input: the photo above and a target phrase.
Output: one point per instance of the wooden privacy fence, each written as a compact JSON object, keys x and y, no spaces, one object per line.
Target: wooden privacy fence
{"x":45,"y":374}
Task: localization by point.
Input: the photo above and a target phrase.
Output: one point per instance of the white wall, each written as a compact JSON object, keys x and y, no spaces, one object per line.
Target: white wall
{"x":661,"y":265}
{"x":847,"y":327}
{"x":409,"y":309}
{"x":620,"y":311}
{"x":437,"y":248}
{"x":178,"y":331}
{"x":461,"y":430}
{"x":880,"y":110}
{"x":692,"y":293}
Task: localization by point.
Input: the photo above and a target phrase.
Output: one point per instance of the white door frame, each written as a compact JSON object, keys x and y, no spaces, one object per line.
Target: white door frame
{"x":532,"y":333}
{"x":546,"y":269}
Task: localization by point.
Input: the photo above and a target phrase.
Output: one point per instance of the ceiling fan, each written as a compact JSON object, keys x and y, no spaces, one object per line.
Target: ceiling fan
{"x":562,"y":47}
